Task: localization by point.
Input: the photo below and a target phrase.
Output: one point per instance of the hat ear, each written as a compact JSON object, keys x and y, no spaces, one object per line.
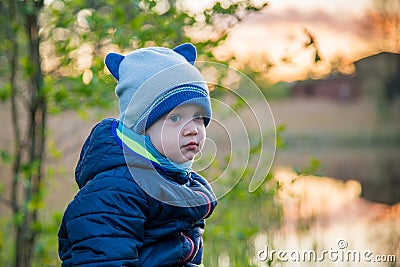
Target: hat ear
{"x":112,"y":62}
{"x":188,"y":51}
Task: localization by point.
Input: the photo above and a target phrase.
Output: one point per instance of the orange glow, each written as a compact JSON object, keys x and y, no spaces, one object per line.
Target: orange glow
{"x":277,"y":36}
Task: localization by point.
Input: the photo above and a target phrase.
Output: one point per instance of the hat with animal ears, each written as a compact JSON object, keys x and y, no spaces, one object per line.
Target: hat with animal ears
{"x":152,"y":81}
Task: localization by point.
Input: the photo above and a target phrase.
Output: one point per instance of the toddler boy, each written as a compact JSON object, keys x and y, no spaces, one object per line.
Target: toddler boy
{"x":140,"y":203}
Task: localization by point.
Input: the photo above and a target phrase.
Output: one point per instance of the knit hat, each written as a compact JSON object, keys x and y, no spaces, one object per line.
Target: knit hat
{"x":152,"y":81}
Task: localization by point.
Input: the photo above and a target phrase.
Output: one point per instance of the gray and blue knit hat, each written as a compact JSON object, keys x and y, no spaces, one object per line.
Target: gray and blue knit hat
{"x":152,"y":81}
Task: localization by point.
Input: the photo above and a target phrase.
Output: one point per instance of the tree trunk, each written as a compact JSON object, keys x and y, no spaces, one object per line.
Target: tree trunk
{"x":30,"y":151}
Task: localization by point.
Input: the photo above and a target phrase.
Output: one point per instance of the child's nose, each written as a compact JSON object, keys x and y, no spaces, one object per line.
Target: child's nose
{"x":190,"y":128}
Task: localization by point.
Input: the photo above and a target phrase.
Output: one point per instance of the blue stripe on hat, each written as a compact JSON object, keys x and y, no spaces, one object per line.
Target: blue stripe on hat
{"x":185,"y":94}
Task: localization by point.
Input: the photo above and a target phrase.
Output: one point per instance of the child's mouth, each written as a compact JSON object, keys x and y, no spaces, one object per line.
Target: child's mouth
{"x":191,"y":146}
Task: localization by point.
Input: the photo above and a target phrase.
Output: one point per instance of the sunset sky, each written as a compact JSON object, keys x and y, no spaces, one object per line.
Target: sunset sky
{"x":340,"y":30}
{"x":343,"y":31}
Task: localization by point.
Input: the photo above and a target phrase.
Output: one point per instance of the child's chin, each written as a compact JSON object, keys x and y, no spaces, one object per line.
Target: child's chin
{"x":187,"y":157}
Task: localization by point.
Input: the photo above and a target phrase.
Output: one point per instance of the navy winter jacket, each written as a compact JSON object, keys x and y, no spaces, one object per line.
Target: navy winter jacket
{"x":112,"y":221}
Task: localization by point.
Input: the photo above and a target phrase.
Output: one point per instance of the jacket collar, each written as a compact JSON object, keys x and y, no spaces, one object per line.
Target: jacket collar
{"x":140,"y":146}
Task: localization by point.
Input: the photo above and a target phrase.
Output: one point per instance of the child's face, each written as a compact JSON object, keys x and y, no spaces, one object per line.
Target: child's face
{"x":180,"y":134}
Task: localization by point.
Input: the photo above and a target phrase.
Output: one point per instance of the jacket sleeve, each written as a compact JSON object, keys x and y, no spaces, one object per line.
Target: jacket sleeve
{"x":170,"y":251}
{"x":184,"y":248}
{"x":104,"y":226}
{"x":196,"y":235}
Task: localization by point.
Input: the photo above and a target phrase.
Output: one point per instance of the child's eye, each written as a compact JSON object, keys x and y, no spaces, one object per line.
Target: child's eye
{"x":175,"y":118}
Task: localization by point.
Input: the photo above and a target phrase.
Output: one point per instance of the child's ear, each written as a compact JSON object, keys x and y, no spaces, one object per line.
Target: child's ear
{"x":112,"y":62}
{"x":188,"y":51}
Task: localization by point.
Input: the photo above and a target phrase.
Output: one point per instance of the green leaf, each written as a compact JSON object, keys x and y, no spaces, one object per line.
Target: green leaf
{"x":54,"y":151}
{"x":5,"y":156}
{"x":5,"y":92}
{"x":312,"y":169}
